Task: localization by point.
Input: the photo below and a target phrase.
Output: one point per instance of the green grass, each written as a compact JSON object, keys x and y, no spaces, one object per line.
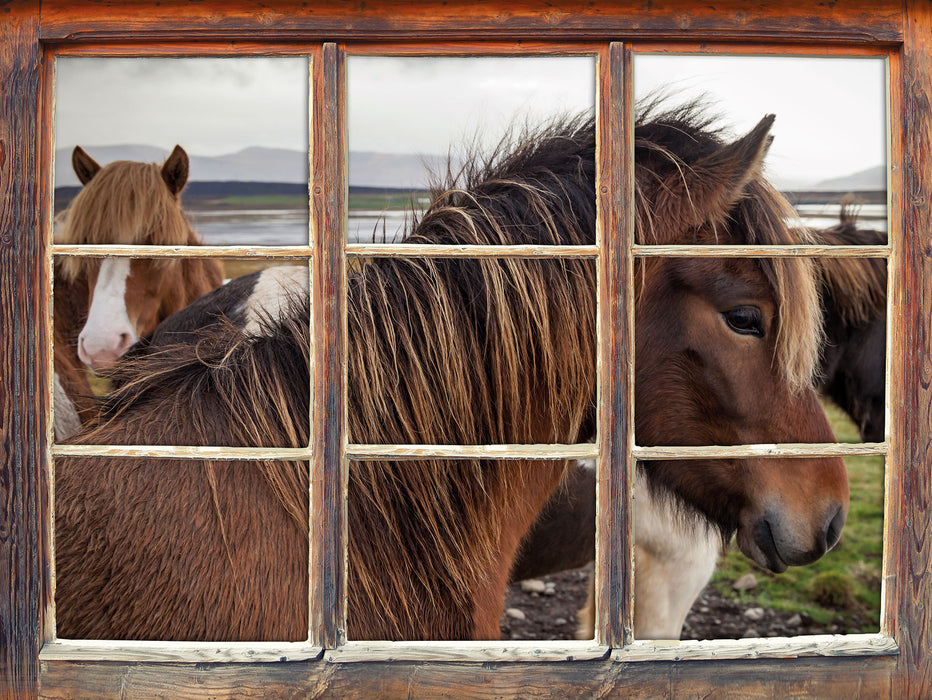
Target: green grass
{"x":380,"y":202}
{"x":843,"y":587}
{"x":376,"y":202}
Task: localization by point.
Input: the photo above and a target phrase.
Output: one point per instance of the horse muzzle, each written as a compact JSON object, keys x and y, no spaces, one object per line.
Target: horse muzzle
{"x":776,"y":540}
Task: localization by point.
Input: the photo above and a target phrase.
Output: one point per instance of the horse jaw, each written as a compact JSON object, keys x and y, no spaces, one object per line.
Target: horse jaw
{"x":108,"y":332}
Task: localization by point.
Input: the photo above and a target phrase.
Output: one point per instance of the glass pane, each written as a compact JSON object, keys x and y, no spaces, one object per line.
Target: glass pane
{"x":413,"y":123}
{"x":182,"y":551}
{"x":149,"y":352}
{"x":838,"y":594}
{"x":471,"y":352}
{"x":241,"y":125}
{"x":829,"y":148}
{"x":432,"y":543}
{"x":728,"y":351}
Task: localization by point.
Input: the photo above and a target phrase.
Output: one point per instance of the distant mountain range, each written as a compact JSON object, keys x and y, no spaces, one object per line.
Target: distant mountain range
{"x":869,"y":179}
{"x":366,"y":168}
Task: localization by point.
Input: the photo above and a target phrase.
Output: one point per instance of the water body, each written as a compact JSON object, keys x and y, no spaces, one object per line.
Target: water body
{"x":254,"y":227}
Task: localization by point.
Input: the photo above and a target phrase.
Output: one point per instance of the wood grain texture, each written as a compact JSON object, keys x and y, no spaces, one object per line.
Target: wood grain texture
{"x":771,"y":648}
{"x":615,"y":467}
{"x":328,"y":377}
{"x":23,"y":397}
{"x":131,"y":651}
{"x":124,"y":28}
{"x":908,"y":586}
{"x":840,"y":22}
{"x":780,"y":678}
{"x":408,"y":250}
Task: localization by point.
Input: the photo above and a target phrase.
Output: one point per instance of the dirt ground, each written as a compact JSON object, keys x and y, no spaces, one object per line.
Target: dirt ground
{"x":551,"y":614}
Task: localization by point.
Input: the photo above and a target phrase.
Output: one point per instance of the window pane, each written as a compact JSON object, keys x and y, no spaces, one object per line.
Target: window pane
{"x":411,"y":118}
{"x":175,"y":550}
{"x":680,"y":571}
{"x":242,"y":123}
{"x":432,"y":544}
{"x":830,"y":132}
{"x":162,"y":352}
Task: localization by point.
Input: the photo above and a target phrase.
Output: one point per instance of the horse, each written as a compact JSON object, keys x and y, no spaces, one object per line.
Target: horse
{"x":853,"y":367}
{"x":675,"y":559}
{"x":102,"y":307}
{"x":462,"y":351}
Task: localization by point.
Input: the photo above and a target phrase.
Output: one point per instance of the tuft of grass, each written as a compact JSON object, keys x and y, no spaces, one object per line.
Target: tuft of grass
{"x":843,"y":588}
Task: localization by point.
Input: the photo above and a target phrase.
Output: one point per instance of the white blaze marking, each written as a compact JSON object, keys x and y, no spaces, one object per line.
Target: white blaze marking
{"x":108,"y":332}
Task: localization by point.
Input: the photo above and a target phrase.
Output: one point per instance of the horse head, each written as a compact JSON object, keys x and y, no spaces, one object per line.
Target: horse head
{"x":131,"y":203}
{"x":726,"y":348}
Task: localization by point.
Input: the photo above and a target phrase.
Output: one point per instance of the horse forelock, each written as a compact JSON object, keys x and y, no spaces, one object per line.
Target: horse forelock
{"x":760,"y":216}
{"x":763,"y":215}
{"x":126,"y":203}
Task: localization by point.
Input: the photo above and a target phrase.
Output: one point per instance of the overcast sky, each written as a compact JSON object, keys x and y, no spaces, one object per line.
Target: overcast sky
{"x":830,"y":112}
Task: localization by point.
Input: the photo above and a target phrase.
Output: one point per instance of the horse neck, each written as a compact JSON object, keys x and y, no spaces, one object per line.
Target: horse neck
{"x":196,"y":277}
{"x":436,"y":566}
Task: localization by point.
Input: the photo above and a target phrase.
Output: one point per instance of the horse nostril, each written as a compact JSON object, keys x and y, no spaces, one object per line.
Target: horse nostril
{"x":125,"y":341}
{"x":833,"y":527}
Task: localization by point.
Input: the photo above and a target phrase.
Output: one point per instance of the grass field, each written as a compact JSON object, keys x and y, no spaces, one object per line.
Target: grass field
{"x":356,"y":202}
{"x":843,"y":587}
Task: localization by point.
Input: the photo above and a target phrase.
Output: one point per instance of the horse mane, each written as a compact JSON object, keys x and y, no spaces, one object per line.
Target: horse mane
{"x":126,"y":203}
{"x":857,"y":287}
{"x":679,"y":137}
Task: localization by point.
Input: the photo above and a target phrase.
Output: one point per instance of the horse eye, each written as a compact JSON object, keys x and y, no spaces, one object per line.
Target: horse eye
{"x":745,"y":320}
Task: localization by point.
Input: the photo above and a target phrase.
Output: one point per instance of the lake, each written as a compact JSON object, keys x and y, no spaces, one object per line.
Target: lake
{"x":253,"y":227}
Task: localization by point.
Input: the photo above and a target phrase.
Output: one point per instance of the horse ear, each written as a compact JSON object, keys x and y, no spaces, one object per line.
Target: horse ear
{"x":175,"y":170}
{"x":707,"y":189}
{"x":84,"y":166}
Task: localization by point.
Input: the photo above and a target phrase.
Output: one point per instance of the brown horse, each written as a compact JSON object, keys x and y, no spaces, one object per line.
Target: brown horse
{"x":462,"y":351}
{"x":675,"y":557}
{"x":104,"y":306}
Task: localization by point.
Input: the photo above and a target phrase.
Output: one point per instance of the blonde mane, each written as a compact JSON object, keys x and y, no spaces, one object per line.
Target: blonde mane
{"x":126,"y":203}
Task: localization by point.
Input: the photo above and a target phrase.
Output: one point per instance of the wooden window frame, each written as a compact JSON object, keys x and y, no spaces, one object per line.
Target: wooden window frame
{"x":895,"y":663}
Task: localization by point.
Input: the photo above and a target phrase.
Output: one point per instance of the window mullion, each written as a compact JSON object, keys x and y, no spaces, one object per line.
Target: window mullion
{"x":614,"y":186}
{"x":327,"y":533}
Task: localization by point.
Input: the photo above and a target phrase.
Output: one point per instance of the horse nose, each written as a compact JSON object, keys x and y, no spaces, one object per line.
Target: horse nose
{"x":100,"y":352}
{"x":833,"y":526}
{"x":781,"y":541}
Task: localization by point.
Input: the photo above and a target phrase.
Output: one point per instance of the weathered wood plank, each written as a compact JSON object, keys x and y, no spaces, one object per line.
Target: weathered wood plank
{"x":24,"y":587}
{"x":284,"y":252}
{"x":410,"y":250}
{"x":908,"y":547}
{"x":406,"y":250}
{"x":328,"y":378}
{"x":825,"y":449}
{"x":467,"y":651}
{"x":761,"y":251}
{"x":403,"y":452}
{"x":615,"y":233}
{"x":782,"y":678}
{"x":772,"y":648}
{"x":129,"y":651}
{"x":842,"y":22}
